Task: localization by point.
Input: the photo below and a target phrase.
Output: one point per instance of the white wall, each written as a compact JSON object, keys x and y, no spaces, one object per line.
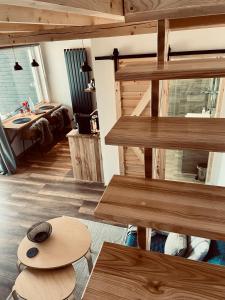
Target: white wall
{"x":105,"y":94}
{"x":105,"y":88}
{"x":134,"y":44}
{"x":55,"y":67}
{"x":218,"y":165}
{"x":198,"y":39}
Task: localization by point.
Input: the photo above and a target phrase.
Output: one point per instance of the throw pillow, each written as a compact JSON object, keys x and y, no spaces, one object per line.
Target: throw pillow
{"x":176,"y":244}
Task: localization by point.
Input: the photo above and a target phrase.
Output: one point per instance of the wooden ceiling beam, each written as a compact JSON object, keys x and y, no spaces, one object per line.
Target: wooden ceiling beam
{"x":197,"y":22}
{"x":26,"y":15}
{"x":143,"y":10}
{"x":12,"y":27}
{"x":79,"y":32}
{"x":105,"y":30}
{"x":112,"y":9}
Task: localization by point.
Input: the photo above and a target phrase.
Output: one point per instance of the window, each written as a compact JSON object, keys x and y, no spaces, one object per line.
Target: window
{"x":17,"y":86}
{"x":193,"y":96}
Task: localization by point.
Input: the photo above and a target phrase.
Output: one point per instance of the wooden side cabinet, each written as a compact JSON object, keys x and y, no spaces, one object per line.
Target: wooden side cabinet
{"x":85,"y":151}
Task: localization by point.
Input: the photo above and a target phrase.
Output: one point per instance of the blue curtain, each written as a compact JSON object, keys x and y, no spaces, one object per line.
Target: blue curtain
{"x":7,"y":159}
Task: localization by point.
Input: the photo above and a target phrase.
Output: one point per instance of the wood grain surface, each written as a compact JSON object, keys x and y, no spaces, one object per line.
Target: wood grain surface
{"x":169,"y":133}
{"x":86,"y":156}
{"x":46,"y":285}
{"x":8,"y":123}
{"x":188,"y":208}
{"x":173,"y":70}
{"x":78,"y":32}
{"x":123,"y":273}
{"x":70,"y":240}
{"x":140,"y":10}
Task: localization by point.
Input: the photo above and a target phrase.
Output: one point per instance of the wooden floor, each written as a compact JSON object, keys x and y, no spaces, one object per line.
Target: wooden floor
{"x":43,"y":188}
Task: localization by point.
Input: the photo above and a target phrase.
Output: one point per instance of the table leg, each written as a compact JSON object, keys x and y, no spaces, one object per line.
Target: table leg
{"x":13,"y":295}
{"x":19,"y":266}
{"x":89,"y":261}
{"x":71,"y":297}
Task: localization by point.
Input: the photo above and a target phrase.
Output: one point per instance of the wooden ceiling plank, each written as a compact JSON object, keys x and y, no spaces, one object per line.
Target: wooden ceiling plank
{"x":112,"y":9}
{"x":79,"y":32}
{"x":142,"y":10}
{"x":26,"y":15}
{"x":15,"y":27}
{"x":197,"y":22}
{"x":109,"y":30}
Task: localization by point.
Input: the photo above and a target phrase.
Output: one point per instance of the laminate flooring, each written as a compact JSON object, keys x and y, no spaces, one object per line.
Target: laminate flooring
{"x":42,"y":188}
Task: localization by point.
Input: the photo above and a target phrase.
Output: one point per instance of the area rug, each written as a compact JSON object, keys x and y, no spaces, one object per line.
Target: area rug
{"x":100,"y":233}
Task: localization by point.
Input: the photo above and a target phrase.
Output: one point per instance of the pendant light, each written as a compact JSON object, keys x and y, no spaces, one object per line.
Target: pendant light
{"x":34,"y":64}
{"x":85,"y":66}
{"x":17,"y":66}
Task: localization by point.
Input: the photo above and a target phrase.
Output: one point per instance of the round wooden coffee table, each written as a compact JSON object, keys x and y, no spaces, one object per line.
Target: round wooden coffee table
{"x":35,"y":284}
{"x":70,"y":241}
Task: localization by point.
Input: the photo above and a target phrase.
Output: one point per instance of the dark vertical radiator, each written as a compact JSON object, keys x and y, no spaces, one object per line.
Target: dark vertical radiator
{"x":78,"y":81}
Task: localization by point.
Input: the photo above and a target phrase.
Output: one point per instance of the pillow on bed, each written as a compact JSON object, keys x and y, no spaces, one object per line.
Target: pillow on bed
{"x":176,"y":244}
{"x":197,"y":248}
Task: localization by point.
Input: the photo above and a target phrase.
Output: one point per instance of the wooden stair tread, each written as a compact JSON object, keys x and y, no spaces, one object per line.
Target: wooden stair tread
{"x":123,"y":273}
{"x":192,"y":209}
{"x":172,"y":70}
{"x":169,"y":133}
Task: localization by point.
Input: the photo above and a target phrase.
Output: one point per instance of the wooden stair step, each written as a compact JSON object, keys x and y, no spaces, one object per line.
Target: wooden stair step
{"x":169,"y":133}
{"x":173,"y":70}
{"x":123,"y":273}
{"x":188,"y":208}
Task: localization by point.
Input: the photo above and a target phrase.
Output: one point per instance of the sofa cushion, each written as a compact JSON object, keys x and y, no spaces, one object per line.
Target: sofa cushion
{"x":176,"y":244}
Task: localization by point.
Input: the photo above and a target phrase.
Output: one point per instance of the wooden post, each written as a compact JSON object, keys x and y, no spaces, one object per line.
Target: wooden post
{"x":118,"y":115}
{"x":160,"y":101}
{"x":155,"y":158}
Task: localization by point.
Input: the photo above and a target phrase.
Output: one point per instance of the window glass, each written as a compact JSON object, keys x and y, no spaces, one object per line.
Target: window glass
{"x":17,"y":86}
{"x":193,"y":96}
{"x":190,"y":98}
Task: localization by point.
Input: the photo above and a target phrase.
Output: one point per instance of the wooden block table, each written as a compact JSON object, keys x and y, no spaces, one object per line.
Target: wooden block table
{"x":86,"y":157}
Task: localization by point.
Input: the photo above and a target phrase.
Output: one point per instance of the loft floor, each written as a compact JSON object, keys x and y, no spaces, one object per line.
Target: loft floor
{"x":43,"y":188}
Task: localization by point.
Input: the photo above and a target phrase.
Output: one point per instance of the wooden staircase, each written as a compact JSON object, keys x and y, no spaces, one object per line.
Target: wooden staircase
{"x":127,"y":273}
{"x":173,"y":70}
{"x":189,"y":208}
{"x":132,"y":274}
{"x":169,"y":133}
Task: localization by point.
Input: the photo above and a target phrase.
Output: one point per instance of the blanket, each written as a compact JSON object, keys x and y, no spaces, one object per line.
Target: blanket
{"x":42,"y":125}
